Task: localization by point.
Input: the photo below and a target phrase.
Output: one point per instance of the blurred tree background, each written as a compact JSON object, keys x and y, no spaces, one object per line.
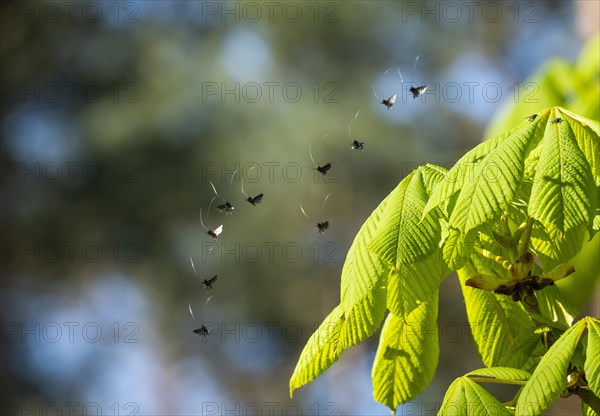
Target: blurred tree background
{"x":115,"y":117}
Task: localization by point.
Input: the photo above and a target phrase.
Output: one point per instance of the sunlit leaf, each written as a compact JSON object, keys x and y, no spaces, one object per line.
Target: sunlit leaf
{"x":502,"y":330}
{"x":467,"y":398}
{"x":404,"y":237}
{"x":407,"y":355}
{"x":564,"y":190}
{"x":495,"y":179}
{"x":592,"y":361}
{"x":550,"y":376}
{"x":320,"y":351}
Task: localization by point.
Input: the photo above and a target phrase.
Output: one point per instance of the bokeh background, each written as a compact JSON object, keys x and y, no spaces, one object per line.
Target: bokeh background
{"x":117,"y":116}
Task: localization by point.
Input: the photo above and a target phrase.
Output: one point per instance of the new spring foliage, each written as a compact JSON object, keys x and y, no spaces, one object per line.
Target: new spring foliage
{"x":533,"y":189}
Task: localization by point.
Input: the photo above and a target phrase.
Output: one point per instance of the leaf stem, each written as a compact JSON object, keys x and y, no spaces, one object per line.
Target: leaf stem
{"x":588,"y":397}
{"x":526,"y":236}
{"x":489,"y":255}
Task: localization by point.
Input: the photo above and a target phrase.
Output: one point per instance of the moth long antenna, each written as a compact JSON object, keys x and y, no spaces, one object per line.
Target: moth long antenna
{"x":311,"y":155}
{"x":351,"y":122}
{"x":233,"y":176}
{"x":191,"y":312}
{"x":373,"y":85}
{"x":194,"y":267}
{"x":321,"y":143}
{"x":324,"y":201}
{"x":374,"y":93}
{"x":215,"y":191}
{"x":415,"y":65}
{"x":400,"y":73}
{"x":245,"y":194}
{"x":303,"y":212}
{"x":209,"y":205}
{"x":206,"y":303}
{"x":202,"y":222}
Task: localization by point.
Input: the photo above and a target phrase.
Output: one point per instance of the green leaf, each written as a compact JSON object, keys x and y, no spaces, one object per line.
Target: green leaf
{"x":462,"y":172}
{"x":320,"y":351}
{"x":564,"y":190}
{"x":414,"y":284}
{"x":503,"y":375}
{"x":483,"y":281}
{"x":554,"y":247}
{"x":495,"y":179}
{"x":502,"y":330}
{"x":457,"y":248}
{"x":407,"y":355}
{"x":404,"y":237}
{"x":432,"y":175}
{"x":592,"y":361}
{"x":486,"y":282}
{"x":586,"y":132}
{"x":550,"y":376}
{"x":556,"y":307}
{"x":363,"y":284}
{"x":587,"y":411}
{"x":361,"y":310}
{"x":559,"y":272}
{"x":465,"y":397}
